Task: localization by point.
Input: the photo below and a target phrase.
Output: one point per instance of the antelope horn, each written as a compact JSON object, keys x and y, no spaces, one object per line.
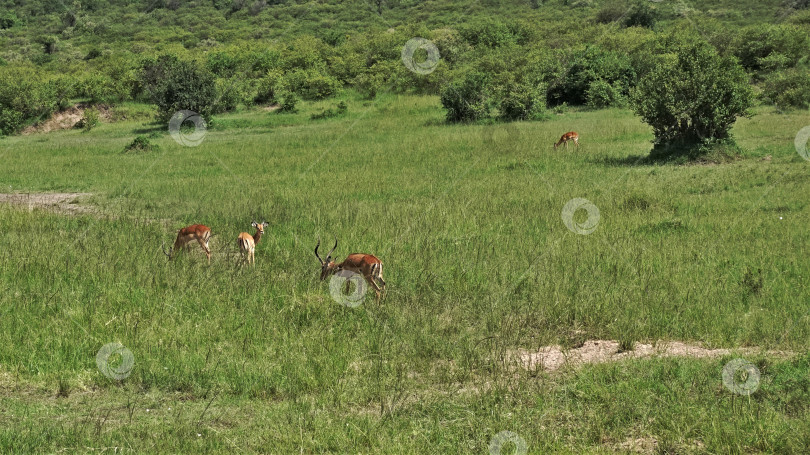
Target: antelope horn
{"x":329,"y":256}
{"x":169,"y":254}
{"x":316,"y":250}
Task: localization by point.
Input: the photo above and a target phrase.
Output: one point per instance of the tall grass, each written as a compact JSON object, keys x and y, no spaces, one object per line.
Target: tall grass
{"x":467,"y":220}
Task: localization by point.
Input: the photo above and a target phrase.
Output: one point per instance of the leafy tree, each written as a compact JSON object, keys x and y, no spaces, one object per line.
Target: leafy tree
{"x":174,"y":85}
{"x":789,"y":88}
{"x":589,"y":66}
{"x":694,"y":97}
{"x":521,"y":101}
{"x":466,"y":99}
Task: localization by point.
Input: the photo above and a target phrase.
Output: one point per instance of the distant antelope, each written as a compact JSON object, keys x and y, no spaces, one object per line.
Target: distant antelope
{"x":188,"y":234}
{"x":569,"y":136}
{"x":363,"y":264}
{"x":247,"y":243}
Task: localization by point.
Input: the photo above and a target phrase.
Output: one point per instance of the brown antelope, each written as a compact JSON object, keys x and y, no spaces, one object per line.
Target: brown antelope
{"x":363,"y":264}
{"x":247,"y":243}
{"x":569,"y":136}
{"x":188,"y":234}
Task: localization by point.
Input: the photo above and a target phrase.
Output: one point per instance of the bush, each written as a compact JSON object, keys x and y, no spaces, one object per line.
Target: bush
{"x":790,"y":88}
{"x":175,"y":85}
{"x":588,"y":66}
{"x":601,"y":94}
{"x":466,"y":99}
{"x":610,"y":12}
{"x":141,"y":144}
{"x":267,"y":88}
{"x":89,"y":120}
{"x":641,"y":14}
{"x":310,"y":84}
{"x":694,"y":97}
{"x":8,"y":20}
{"x":24,"y":97}
{"x":368,"y":84}
{"x":288,"y":103}
{"x":522,"y":102}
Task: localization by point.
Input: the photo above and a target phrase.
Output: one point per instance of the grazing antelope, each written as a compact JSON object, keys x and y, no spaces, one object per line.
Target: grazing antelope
{"x":569,"y":136}
{"x":364,"y":264}
{"x":188,"y":234}
{"x":247,"y":243}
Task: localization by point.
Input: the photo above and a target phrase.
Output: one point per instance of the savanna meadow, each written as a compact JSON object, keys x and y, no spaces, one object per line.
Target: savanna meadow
{"x":405,"y":226}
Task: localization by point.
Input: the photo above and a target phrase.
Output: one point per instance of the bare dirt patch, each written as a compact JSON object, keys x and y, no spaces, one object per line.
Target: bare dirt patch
{"x":69,"y":203}
{"x":551,"y":358}
{"x":67,"y":119}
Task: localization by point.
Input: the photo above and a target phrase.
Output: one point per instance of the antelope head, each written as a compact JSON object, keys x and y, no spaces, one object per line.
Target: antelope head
{"x":328,"y":266}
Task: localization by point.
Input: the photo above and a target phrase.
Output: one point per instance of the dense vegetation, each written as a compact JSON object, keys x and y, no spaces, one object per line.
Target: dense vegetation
{"x":218,"y":55}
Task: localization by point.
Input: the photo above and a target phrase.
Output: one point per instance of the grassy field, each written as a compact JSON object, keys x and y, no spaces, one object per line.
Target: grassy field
{"x":479,"y":262}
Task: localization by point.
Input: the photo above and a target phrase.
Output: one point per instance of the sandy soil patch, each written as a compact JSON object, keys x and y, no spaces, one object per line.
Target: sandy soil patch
{"x":552,"y":358}
{"x":65,"y":120}
{"x":68,"y":203}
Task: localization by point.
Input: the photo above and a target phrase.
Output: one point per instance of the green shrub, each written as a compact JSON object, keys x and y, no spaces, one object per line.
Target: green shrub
{"x":522,"y":101}
{"x":611,"y":11}
{"x":790,"y":88}
{"x":175,"y":85}
{"x":368,"y":84}
{"x":8,"y":20}
{"x":601,"y":94}
{"x":289,"y":101}
{"x":641,"y":14}
{"x":267,"y":88}
{"x":770,"y":47}
{"x":24,"y":98}
{"x":694,"y":97}
{"x":493,"y":33}
{"x":466,"y":99}
{"x":588,"y":66}
{"x":89,"y":120}
{"x":141,"y":144}
{"x":310,"y":84}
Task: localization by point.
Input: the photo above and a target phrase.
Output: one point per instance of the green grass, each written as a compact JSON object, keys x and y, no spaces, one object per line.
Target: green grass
{"x":467,"y":220}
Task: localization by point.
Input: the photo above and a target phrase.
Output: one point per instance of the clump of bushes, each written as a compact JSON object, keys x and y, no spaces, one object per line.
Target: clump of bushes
{"x":466,"y":99}
{"x":173,"y":85}
{"x":89,"y":120}
{"x":522,"y":101}
{"x":595,"y":76}
{"x":288,"y":103}
{"x":790,"y":88}
{"x":141,"y":144}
